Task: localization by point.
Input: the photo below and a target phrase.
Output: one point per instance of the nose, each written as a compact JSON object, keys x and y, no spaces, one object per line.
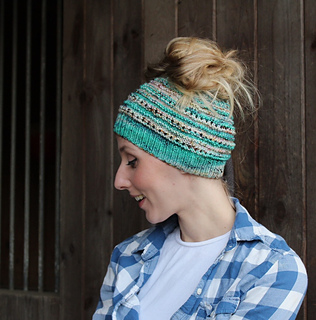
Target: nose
{"x":121,"y":181}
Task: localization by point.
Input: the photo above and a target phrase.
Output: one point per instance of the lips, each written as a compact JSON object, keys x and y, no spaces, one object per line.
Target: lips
{"x":140,"y":200}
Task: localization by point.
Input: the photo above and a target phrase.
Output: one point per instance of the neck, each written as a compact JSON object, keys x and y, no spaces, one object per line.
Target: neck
{"x":211,"y":212}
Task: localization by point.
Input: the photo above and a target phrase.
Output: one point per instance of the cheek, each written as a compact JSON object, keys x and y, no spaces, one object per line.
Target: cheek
{"x":141,"y":179}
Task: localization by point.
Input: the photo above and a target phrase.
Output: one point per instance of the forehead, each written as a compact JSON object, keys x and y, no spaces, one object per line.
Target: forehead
{"x":124,"y":146}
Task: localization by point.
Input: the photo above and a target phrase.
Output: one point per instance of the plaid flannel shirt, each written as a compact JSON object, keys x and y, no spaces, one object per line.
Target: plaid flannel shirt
{"x":257,"y":276}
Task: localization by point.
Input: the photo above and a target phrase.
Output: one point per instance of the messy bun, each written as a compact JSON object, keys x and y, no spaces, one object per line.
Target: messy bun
{"x":198,"y":67}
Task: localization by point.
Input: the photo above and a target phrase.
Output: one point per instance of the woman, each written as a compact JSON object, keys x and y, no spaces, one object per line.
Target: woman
{"x":205,"y":258}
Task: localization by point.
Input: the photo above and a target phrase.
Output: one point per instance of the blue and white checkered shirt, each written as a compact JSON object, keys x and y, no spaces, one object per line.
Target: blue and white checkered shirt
{"x":257,"y":276}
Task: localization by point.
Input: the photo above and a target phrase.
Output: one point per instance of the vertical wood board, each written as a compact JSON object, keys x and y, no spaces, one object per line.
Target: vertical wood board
{"x":310,"y":90}
{"x":98,"y":149}
{"x":195,"y":19}
{"x":160,"y":26}
{"x":72,"y":164}
{"x":281,"y":203}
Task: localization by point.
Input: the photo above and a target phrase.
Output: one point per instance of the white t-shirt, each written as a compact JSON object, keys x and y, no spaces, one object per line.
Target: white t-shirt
{"x":179,"y":270}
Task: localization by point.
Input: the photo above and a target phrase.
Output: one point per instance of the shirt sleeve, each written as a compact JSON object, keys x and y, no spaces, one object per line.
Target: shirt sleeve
{"x":105,"y":306}
{"x":278,"y":294}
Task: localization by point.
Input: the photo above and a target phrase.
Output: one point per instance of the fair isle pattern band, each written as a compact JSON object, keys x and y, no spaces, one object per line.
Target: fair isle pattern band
{"x":191,"y":138}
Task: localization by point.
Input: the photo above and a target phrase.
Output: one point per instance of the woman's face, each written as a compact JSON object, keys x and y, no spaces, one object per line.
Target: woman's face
{"x":159,"y":188}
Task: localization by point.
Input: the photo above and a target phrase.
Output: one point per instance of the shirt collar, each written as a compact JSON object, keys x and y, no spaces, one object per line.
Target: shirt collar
{"x":152,"y":241}
{"x":245,"y":227}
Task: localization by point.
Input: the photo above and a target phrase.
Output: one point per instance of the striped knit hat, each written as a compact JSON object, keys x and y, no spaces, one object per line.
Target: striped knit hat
{"x":191,"y":138}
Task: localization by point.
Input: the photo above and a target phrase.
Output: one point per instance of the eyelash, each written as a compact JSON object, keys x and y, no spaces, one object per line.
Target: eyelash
{"x":132,"y":163}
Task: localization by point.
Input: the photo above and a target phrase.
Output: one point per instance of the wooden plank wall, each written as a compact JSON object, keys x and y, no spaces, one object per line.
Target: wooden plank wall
{"x":106,"y":47}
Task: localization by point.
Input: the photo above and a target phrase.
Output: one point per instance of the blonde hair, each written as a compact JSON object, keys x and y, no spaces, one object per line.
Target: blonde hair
{"x":198,"y":67}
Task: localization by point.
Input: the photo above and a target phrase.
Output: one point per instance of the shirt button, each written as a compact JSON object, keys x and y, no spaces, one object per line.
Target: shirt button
{"x":199,"y":291}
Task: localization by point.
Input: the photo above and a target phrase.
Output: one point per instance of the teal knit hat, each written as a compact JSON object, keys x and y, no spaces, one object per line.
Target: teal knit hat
{"x":192,"y":138}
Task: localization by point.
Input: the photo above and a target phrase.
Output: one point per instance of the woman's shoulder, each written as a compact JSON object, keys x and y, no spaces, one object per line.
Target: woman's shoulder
{"x":264,"y":245}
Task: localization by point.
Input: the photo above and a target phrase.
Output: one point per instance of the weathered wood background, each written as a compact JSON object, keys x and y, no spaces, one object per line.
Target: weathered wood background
{"x":106,"y":47}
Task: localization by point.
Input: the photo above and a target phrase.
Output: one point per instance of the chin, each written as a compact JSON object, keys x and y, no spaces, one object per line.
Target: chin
{"x":155,"y":219}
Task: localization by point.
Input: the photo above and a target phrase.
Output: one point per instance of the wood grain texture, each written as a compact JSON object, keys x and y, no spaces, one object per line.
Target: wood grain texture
{"x":195,"y":18}
{"x":98,"y":140}
{"x":22,"y":305}
{"x":160,"y":26}
{"x":310,"y":113}
{"x":281,"y":182}
{"x":72,"y":164}
{"x":281,"y":202}
{"x":235,"y":30}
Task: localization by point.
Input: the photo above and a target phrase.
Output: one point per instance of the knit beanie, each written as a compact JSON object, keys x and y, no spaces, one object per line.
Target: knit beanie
{"x":190,"y":137}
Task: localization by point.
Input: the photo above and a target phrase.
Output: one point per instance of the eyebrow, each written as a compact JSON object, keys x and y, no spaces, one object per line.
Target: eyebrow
{"x":125,"y":149}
